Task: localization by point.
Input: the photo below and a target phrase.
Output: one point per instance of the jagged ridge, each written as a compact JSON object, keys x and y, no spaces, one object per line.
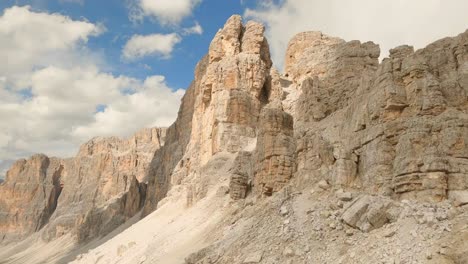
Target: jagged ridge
{"x":395,"y":130}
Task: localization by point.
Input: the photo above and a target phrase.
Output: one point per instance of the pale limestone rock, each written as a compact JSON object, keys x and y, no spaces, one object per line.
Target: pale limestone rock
{"x":275,"y":151}
{"x":241,"y":175}
{"x":459,"y":198}
{"x":88,"y":195}
{"x":396,"y":129}
{"x":368,"y":212}
{"x":330,"y":72}
{"x":29,"y":196}
{"x":169,"y":165}
{"x":231,"y":86}
{"x":255,"y":257}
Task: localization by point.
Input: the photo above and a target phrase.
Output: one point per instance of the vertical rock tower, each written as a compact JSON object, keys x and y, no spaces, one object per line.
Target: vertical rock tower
{"x":233,"y":83}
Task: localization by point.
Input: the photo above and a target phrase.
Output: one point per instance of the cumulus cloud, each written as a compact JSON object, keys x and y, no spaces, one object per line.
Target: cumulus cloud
{"x":29,"y":40}
{"x":196,"y":29}
{"x":62,"y":110}
{"x":168,"y":11}
{"x":152,"y":105}
{"x":389,"y":23}
{"x":150,"y":45}
{"x":54,"y":95}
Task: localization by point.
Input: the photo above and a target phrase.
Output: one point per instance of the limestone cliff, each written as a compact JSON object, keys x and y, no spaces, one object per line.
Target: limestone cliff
{"x":87,"y":195}
{"x":405,"y":117}
{"x":219,"y":113}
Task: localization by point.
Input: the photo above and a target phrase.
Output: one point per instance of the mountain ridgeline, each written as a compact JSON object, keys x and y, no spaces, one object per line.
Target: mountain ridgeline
{"x":389,"y":131}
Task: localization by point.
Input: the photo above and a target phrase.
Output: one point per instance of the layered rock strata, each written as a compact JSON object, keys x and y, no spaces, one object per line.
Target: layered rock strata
{"x":405,"y":118}
{"x":232,"y":85}
{"x":87,"y":196}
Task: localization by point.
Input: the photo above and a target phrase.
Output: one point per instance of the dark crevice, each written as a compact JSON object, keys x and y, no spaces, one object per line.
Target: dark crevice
{"x":241,"y":36}
{"x":264,"y":96}
{"x":57,"y":188}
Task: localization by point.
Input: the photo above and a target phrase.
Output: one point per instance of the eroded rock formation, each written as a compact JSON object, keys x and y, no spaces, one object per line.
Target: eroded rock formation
{"x":88,"y":195}
{"x":232,"y":84}
{"x":405,"y":119}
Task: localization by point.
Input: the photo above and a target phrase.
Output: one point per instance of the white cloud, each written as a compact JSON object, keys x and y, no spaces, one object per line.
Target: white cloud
{"x":31,"y":39}
{"x":196,"y":29}
{"x":155,"y":44}
{"x":52,"y":89}
{"x":61,"y":113}
{"x":152,"y":105}
{"x":389,"y":23}
{"x":168,"y":11}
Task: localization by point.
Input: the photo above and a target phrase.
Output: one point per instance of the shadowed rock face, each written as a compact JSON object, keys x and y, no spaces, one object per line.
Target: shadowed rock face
{"x":29,"y":195}
{"x":88,"y":195}
{"x":399,"y":128}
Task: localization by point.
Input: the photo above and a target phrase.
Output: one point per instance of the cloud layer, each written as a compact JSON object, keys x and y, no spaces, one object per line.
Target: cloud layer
{"x":54,"y":94}
{"x":168,"y":11}
{"x":155,"y":44}
{"x":389,"y":23}
{"x":29,"y":40}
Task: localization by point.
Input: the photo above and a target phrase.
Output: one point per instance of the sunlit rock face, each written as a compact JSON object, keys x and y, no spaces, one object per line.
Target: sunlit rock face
{"x":232,"y":85}
{"x":87,"y":195}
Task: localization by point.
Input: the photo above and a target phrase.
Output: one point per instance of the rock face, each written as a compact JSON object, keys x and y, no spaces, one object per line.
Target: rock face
{"x":232,"y":84}
{"x":29,"y":195}
{"x":336,"y":115}
{"x":405,"y":118}
{"x":337,"y":119}
{"x":275,"y":151}
{"x":87,"y":196}
{"x":369,"y":212}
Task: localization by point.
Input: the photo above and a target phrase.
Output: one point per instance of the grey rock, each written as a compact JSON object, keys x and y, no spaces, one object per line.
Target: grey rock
{"x":255,"y":257}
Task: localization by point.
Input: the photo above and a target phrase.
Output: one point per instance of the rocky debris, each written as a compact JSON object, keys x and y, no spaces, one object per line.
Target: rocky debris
{"x":323,"y":184}
{"x":344,"y":196}
{"x":459,"y":198}
{"x":310,"y":231}
{"x":368,"y":212}
{"x":284,"y":211}
{"x":255,"y":257}
{"x":88,"y":195}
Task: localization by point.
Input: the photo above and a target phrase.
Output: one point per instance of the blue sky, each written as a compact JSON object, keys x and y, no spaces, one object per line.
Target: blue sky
{"x":114,"y":15}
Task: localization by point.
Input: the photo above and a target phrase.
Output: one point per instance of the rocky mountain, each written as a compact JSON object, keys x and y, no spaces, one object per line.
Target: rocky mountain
{"x":340,"y":159}
{"x":88,"y":195}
